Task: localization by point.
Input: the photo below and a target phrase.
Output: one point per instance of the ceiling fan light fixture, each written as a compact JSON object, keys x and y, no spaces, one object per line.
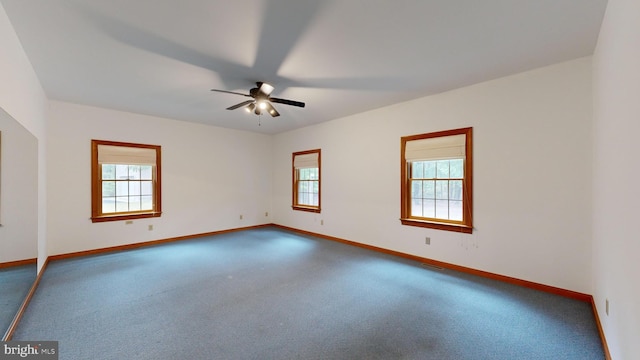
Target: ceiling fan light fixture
{"x":261,"y":102}
{"x":266,"y":88}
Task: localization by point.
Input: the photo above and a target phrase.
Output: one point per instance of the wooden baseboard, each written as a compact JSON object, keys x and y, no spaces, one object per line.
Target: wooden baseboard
{"x":511,"y":280}
{"x":528,"y":284}
{"x":605,"y":346}
{"x":16,"y":319}
{"x":18,"y":263}
{"x":149,"y":243}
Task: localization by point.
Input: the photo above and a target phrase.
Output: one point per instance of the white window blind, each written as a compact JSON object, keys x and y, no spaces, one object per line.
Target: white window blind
{"x":306,"y":161}
{"x":108,"y":154}
{"x":438,"y":148}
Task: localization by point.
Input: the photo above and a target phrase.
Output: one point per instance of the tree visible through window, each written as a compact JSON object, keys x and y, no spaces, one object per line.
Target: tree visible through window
{"x":436,"y":189}
{"x":125,"y":181}
{"x":308,"y":187}
{"x":306,"y":180}
{"x":437,"y":180}
{"x":126,"y":188}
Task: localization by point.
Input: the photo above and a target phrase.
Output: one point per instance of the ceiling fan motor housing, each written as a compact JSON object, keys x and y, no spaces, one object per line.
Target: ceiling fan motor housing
{"x":261,"y":100}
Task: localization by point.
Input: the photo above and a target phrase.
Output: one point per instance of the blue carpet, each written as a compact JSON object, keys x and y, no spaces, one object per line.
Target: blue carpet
{"x":272,"y":294}
{"x":15,"y":283}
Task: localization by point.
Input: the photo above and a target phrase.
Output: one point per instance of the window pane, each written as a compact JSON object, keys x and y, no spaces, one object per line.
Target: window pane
{"x":303,"y":199}
{"x":122,"y":188}
{"x":416,"y":207}
{"x":134,"y":187}
{"x":146,"y":203}
{"x":122,"y":172}
{"x":315,"y":200}
{"x":316,"y":187}
{"x":442,"y":169}
{"x":146,"y":172}
{"x":302,"y":187}
{"x":417,"y":169}
{"x":455,"y":189}
{"x":122,"y":203}
{"x":146,"y":187}
{"x":442,"y":209}
{"x":108,"y":205}
{"x":134,"y":172}
{"x":442,"y":189}
{"x":108,"y":172}
{"x":429,"y":189}
{"x":429,"y":169}
{"x":313,"y":174}
{"x":456,"y":168}
{"x":429,"y":208}
{"x":455,"y":210}
{"x":416,"y":189}
{"x":108,"y":188}
{"x":134,"y":203}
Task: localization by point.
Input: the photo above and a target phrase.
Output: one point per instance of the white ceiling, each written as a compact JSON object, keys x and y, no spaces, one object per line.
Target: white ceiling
{"x":341,"y":57}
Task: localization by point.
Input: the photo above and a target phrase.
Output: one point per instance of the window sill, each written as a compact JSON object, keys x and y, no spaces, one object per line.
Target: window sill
{"x":120,"y":217}
{"x":306,"y":208}
{"x":438,"y":225}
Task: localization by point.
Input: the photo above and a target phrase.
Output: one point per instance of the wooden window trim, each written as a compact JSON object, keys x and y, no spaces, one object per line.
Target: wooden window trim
{"x":96,"y":185}
{"x":294,"y":182}
{"x":466,"y":225}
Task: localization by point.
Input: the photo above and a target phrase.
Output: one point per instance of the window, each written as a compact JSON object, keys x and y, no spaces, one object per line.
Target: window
{"x":125,"y":181}
{"x":436,"y":184}
{"x":306,"y":180}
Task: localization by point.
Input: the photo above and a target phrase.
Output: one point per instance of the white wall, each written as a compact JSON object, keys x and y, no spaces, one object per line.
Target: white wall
{"x":210,"y":176}
{"x":22,"y":97}
{"x":532,"y":159}
{"x":18,"y":191}
{"x":616,"y":192}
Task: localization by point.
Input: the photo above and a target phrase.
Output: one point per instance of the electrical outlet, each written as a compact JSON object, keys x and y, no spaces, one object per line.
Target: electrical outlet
{"x":427,"y":240}
{"x":321,"y":222}
{"x":240,"y":216}
{"x":606,"y":307}
{"x":128,"y":222}
{"x":266,"y":213}
{"x":150,"y":227}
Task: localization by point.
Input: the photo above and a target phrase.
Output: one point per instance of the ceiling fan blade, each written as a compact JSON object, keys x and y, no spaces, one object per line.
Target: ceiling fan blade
{"x":244,"y":103}
{"x":271,"y":110}
{"x":276,"y":43}
{"x":287,"y":102}
{"x":231,"y":92}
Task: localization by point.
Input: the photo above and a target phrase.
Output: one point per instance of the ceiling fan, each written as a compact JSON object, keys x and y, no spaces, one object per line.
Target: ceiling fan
{"x":261,"y":101}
